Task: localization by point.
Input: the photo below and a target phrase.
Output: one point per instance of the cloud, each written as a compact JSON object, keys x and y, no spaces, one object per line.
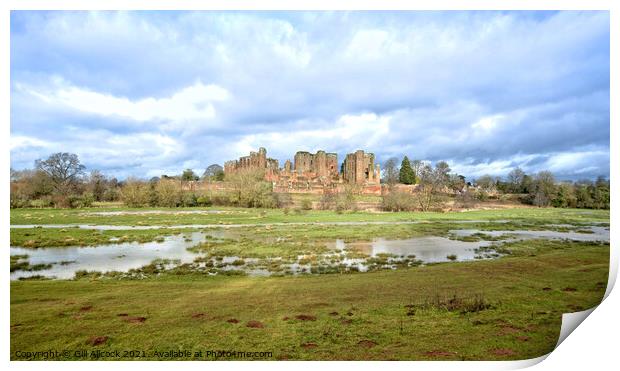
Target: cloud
{"x":20,"y":141}
{"x":194,"y":102}
{"x":483,"y":90}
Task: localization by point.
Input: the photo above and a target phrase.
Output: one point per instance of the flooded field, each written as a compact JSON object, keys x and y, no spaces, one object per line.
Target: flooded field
{"x":177,"y":251}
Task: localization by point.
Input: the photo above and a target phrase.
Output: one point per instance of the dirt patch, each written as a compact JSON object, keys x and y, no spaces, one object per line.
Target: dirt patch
{"x":97,"y":340}
{"x":135,"y":319}
{"x":305,"y":317}
{"x":346,"y":321}
{"x":546,"y":288}
{"x":286,"y":318}
{"x":411,"y":313}
{"x":309,"y":345}
{"x":349,"y":313}
{"x":503,"y":352}
{"x":366,"y":343}
{"x":122,"y":315}
{"x":86,"y":308}
{"x":569,"y":289}
{"x":333,"y":313}
{"x":254,"y":324}
{"x":198,"y":315}
{"x":505,"y":330}
{"x":523,"y":338}
{"x":233,"y":320}
{"x":439,"y":353}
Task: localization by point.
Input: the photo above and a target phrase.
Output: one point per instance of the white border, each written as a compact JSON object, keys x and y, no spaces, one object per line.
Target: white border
{"x":593,"y":343}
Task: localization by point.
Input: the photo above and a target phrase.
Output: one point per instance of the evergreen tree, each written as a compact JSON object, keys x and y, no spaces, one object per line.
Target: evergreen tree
{"x":406,"y":175}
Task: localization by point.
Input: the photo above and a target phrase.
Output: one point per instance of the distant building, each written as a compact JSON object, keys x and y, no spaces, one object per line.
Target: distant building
{"x":311,"y":171}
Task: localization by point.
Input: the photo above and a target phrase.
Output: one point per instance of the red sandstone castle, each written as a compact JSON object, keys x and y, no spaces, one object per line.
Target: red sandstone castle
{"x":311,"y":171}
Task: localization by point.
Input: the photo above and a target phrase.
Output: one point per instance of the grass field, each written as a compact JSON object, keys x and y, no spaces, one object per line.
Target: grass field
{"x":257,"y":216}
{"x":506,"y":308}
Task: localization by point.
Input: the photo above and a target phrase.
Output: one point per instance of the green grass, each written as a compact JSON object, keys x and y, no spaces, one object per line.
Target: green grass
{"x":508,"y":308}
{"x":262,"y":216}
{"x":60,"y":237}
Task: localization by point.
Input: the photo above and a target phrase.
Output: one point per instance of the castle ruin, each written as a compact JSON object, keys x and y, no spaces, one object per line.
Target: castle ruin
{"x":254,"y":161}
{"x":310,"y":172}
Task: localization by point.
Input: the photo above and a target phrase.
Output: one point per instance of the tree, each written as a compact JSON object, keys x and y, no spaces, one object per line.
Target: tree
{"x":416,"y":165}
{"x":544,"y":189}
{"x":390,"y":171}
{"x":456,"y":182}
{"x":443,"y":171}
{"x":515,"y":180}
{"x":432,"y":182}
{"x":97,"y":184}
{"x":406,"y":174}
{"x":64,"y":170}
{"x":486,"y":182}
{"x":214,"y":172}
{"x":189,"y":175}
{"x":601,"y":194}
{"x":565,"y":196}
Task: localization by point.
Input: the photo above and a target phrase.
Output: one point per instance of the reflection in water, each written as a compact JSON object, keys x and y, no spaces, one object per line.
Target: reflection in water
{"x":591,"y":234}
{"x":429,"y":249}
{"x":114,"y":257}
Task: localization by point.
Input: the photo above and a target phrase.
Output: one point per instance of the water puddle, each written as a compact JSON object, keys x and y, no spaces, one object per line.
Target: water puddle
{"x":115,"y":257}
{"x":429,"y":249}
{"x":586,"y":234}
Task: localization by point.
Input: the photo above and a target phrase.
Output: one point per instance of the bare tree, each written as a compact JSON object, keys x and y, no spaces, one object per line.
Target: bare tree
{"x":417,"y":165}
{"x":515,"y":180}
{"x":390,"y":171}
{"x":64,"y":170}
{"x":432,"y":183}
{"x":486,"y":182}
{"x":544,"y":189}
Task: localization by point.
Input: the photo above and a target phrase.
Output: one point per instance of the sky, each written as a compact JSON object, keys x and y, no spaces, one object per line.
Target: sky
{"x":153,"y":92}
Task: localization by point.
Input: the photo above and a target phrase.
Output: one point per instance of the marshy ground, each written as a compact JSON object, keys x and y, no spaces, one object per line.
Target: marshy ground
{"x":504,"y":301}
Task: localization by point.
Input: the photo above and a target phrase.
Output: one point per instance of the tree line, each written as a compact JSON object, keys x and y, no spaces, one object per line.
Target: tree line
{"x":540,"y":189}
{"x":61,"y":180}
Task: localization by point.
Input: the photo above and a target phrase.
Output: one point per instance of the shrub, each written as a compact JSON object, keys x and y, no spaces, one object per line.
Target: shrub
{"x":204,"y":200}
{"x":135,"y":193}
{"x":398,"y":201}
{"x":306,"y":204}
{"x":168,"y":193}
{"x":189,"y":200}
